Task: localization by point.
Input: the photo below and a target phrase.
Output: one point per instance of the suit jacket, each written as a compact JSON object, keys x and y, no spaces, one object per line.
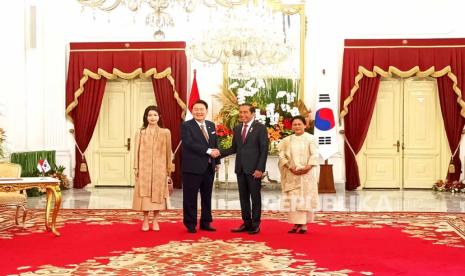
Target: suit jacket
{"x":252,"y":154}
{"x":194,"y":147}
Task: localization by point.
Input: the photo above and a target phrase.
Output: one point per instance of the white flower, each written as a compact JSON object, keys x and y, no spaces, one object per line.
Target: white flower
{"x":250,"y":83}
{"x":285,"y":108}
{"x":240,"y":100}
{"x":241,"y":96}
{"x":290,"y":97}
{"x":280,"y":94}
{"x":294,"y":111}
{"x":260,"y":83}
{"x":253,"y":91}
{"x":270,"y":110}
{"x":274,"y":119}
{"x":259,"y":117}
{"x":233,"y":85}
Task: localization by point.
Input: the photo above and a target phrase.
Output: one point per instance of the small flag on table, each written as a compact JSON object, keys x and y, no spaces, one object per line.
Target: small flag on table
{"x":43,"y":166}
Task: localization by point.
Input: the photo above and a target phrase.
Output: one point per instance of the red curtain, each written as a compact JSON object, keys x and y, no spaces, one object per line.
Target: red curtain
{"x":171,"y":120}
{"x":125,"y":60}
{"x":84,"y":124}
{"x":410,"y":56}
{"x":452,"y":123}
{"x":357,"y":122}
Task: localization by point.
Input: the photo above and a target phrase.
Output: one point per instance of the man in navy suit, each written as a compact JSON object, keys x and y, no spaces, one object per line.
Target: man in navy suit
{"x":250,"y":143}
{"x":199,"y":162}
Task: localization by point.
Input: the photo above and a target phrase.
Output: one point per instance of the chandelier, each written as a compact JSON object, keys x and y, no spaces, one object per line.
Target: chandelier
{"x":158,"y":17}
{"x":248,"y":35}
{"x":243,"y":32}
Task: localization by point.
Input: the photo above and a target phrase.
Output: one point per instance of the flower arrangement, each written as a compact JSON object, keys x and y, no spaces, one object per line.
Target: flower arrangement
{"x":2,"y":139}
{"x":449,"y":186}
{"x":275,"y":101}
{"x":224,"y":136}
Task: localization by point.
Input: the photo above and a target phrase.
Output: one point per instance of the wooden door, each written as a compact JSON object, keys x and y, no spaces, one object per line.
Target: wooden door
{"x":406,"y":145}
{"x":111,"y":148}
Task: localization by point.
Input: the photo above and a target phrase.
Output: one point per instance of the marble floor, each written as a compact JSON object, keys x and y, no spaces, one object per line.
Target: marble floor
{"x":227,"y":198}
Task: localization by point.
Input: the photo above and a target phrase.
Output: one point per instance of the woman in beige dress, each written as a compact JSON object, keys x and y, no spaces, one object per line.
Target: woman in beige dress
{"x":297,"y":160}
{"x":152,"y":167}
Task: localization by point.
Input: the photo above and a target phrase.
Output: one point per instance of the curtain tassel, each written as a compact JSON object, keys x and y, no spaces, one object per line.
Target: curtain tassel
{"x":451,"y":166}
{"x":83,"y":166}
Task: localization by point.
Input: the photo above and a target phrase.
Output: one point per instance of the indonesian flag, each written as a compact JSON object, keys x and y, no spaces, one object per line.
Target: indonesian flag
{"x":325,"y":126}
{"x":43,"y":166}
{"x":193,"y":97}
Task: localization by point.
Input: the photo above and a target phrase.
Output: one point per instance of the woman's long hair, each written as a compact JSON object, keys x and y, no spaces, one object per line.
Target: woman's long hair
{"x":146,"y":114}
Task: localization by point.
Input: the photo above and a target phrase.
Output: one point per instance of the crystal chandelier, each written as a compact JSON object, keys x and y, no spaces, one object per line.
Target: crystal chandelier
{"x":159,"y":16}
{"x":249,"y":35}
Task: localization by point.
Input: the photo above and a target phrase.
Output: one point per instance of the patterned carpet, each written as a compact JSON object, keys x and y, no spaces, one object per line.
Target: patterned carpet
{"x":109,"y":242}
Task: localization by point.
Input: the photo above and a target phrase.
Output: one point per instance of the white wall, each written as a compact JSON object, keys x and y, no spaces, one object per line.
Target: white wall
{"x":32,"y":96}
{"x":13,"y":97}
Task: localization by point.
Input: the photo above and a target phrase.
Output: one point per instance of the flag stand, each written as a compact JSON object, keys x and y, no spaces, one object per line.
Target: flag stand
{"x":326,"y":181}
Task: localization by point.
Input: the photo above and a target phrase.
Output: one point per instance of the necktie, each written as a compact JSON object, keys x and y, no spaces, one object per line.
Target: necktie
{"x":205,"y":134}
{"x":244,"y":133}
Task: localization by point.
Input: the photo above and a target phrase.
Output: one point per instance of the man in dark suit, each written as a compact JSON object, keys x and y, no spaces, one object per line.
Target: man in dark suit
{"x":199,"y":162}
{"x":250,"y":143}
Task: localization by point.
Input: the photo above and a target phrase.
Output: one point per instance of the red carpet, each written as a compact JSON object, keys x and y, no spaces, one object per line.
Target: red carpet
{"x":110,"y":242}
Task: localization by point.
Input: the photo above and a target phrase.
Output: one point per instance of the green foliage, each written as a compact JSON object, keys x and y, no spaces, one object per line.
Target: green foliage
{"x":225,"y":142}
{"x":28,"y":160}
{"x":230,"y":116}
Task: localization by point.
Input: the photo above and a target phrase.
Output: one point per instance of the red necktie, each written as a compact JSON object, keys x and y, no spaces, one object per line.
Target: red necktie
{"x":244,"y":133}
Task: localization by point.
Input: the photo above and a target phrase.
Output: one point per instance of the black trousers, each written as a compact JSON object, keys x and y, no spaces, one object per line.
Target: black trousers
{"x":192,"y":184}
{"x":249,"y":191}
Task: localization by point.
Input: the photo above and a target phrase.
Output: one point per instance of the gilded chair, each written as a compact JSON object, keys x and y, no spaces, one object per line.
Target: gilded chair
{"x":15,"y":199}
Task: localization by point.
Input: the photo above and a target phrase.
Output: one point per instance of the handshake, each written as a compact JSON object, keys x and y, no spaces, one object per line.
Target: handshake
{"x":215,"y":153}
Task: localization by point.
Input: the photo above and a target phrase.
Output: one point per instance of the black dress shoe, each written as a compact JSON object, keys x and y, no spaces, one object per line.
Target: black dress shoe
{"x":254,"y":230}
{"x":191,"y":230}
{"x":295,"y":229}
{"x":242,"y":228}
{"x":207,"y":228}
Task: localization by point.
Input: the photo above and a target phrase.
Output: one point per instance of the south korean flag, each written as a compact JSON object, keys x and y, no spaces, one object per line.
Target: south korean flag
{"x":43,"y":166}
{"x":325,"y":126}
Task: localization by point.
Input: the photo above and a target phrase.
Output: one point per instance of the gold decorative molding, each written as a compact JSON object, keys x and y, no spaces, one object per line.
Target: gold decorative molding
{"x":127,"y":76}
{"x":24,"y":186}
{"x":414,"y":71}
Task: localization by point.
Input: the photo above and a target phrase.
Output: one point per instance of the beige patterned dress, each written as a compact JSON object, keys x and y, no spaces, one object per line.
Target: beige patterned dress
{"x":153,"y":160}
{"x":300,"y":192}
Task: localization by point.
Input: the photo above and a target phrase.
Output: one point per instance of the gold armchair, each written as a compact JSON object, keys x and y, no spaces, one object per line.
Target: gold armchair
{"x":10,"y":170}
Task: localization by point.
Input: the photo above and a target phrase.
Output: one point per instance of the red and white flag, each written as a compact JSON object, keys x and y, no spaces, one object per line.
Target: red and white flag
{"x":43,"y":166}
{"x":193,"y":96}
